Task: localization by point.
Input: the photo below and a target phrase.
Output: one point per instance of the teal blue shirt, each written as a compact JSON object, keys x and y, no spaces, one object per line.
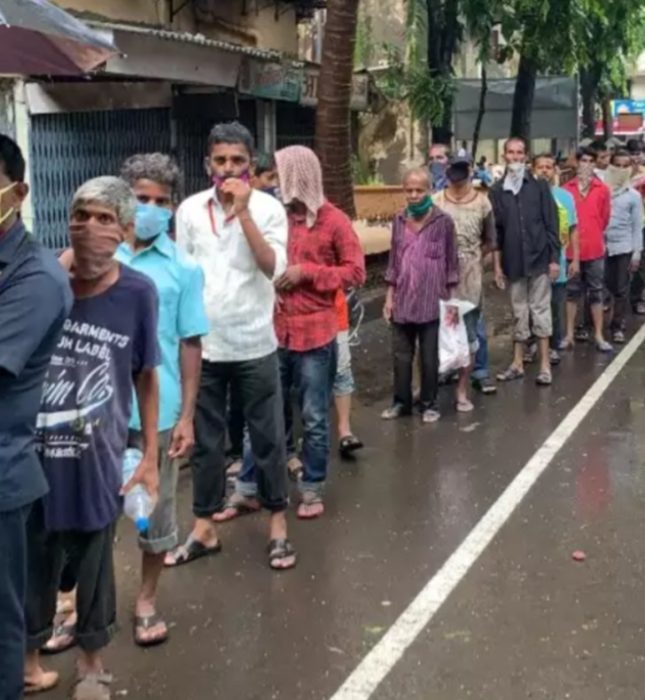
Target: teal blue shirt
{"x":565,"y":199}
{"x":180,"y":285}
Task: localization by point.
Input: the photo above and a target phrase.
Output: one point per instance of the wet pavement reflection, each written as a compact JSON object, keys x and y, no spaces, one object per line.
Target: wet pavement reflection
{"x":527,"y":622}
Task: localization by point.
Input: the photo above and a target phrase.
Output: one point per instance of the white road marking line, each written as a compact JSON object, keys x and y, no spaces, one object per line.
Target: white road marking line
{"x":373,"y":669}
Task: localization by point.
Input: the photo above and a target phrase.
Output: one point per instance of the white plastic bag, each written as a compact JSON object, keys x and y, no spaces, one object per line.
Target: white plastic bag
{"x":454,"y":351}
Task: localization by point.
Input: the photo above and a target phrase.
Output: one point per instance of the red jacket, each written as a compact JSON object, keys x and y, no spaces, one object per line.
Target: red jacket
{"x":594,"y":212}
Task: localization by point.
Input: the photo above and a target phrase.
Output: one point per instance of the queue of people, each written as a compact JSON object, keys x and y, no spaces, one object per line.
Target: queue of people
{"x":198,"y":339}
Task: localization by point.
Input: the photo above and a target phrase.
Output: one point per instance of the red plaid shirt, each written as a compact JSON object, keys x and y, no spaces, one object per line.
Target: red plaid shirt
{"x":331,"y":258}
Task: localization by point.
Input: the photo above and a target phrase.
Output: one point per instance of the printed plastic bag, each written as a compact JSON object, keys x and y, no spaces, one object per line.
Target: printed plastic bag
{"x":454,"y":351}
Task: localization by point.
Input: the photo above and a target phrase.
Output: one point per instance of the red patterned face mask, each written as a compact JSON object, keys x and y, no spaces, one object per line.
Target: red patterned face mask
{"x":219,"y":180}
{"x":94,"y":247}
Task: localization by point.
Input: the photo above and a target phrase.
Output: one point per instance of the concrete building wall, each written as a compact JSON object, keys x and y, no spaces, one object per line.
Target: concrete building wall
{"x":251,"y":22}
{"x":7,"y":116}
{"x":638,"y":79}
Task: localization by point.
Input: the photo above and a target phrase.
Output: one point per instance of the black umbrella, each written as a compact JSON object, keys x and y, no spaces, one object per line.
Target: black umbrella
{"x":38,"y":38}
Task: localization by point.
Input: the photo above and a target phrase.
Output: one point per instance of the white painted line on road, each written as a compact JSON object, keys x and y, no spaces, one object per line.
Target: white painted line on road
{"x":373,"y":669}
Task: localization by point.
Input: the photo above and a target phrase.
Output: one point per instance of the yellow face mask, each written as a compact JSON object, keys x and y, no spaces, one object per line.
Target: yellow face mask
{"x":4,"y":215}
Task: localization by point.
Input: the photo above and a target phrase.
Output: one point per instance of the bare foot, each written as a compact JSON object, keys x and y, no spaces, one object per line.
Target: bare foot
{"x":39,"y":680}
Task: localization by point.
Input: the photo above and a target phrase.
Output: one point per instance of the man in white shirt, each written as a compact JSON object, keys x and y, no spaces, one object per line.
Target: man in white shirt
{"x":239,"y":237}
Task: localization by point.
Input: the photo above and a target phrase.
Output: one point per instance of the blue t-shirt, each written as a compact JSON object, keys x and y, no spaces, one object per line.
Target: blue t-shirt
{"x":82,"y":426}
{"x":179,"y":281}
{"x":566,"y":200}
{"x":35,"y":298}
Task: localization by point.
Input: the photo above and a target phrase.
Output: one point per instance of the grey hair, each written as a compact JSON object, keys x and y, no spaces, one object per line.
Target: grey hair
{"x":421,"y":173}
{"x":157,"y":167}
{"x":231,"y":132}
{"x":111,"y":192}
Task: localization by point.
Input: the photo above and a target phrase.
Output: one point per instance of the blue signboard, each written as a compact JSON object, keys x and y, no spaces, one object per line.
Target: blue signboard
{"x":627,"y":107}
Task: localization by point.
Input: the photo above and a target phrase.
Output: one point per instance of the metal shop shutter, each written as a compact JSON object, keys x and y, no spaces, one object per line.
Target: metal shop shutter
{"x":68,"y":149}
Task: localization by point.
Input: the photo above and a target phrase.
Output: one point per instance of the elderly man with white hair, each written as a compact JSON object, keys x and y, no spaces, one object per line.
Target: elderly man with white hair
{"x":109,"y":341}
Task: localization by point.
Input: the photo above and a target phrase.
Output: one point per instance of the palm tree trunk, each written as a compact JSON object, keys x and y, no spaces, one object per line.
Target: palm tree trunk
{"x":333,"y":123}
{"x":523,"y":98}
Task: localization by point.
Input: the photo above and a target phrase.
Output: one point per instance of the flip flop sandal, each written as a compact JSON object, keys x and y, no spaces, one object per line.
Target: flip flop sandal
{"x":94,"y":686}
{"x":464,"y":406}
{"x":510,"y":375}
{"x":48,"y":680}
{"x":604,"y":347}
{"x":145,"y":623}
{"x":281,"y":549}
{"x":348,"y":445}
{"x":192,"y":550}
{"x":544,"y":379}
{"x":239,"y":507}
{"x":60,"y":631}
{"x":310,"y":499}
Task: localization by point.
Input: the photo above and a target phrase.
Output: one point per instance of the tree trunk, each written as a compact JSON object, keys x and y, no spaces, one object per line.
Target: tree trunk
{"x":481,"y":111}
{"x":523,"y":98}
{"x":333,"y":123}
{"x":607,"y":118}
{"x":443,"y":41}
{"x":588,"y":90}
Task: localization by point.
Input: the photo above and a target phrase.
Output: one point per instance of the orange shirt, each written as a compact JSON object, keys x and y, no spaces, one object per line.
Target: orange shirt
{"x":342,"y":311}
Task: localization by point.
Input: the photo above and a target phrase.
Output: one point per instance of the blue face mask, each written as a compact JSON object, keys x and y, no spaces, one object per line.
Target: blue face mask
{"x":273,"y":191}
{"x":151,"y":221}
{"x":438,"y":172}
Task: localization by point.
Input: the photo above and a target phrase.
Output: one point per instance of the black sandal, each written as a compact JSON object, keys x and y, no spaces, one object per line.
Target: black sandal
{"x":190,"y":551}
{"x":61,"y":630}
{"x":281,"y":549}
{"x":348,"y":445}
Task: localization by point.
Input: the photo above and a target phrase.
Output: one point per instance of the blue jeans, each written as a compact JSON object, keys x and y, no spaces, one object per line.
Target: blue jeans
{"x":311,"y":374}
{"x":481,"y":370}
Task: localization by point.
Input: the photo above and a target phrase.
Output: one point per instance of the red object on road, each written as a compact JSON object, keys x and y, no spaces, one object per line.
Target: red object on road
{"x":579,"y":555}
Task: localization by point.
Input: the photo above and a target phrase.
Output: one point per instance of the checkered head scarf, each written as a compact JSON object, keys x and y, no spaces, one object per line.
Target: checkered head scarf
{"x":301,"y":178}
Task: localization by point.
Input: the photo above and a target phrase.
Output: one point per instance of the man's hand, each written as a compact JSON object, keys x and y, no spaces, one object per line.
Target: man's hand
{"x":554,"y":271}
{"x":500,"y":280}
{"x":292,"y":277}
{"x":388,"y":309}
{"x":574,"y":268}
{"x":634,"y":264}
{"x":241,"y":193}
{"x":183,"y":439}
{"x":147,"y":475}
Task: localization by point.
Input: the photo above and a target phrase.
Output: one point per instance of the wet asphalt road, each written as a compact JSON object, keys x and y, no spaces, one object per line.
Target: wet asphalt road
{"x":526,"y":622}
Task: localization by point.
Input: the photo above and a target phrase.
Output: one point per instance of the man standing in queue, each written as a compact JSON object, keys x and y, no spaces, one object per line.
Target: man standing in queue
{"x":35,"y":299}
{"x":239,"y":237}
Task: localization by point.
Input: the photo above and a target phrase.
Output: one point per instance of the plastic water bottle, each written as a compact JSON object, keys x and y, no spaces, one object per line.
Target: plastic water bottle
{"x":137,"y":504}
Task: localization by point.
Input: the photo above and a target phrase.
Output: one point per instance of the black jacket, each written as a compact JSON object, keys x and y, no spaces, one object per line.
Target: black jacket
{"x":527,"y":228}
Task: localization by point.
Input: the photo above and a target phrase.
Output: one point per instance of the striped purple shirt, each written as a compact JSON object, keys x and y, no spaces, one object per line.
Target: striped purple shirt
{"x":422,"y":267}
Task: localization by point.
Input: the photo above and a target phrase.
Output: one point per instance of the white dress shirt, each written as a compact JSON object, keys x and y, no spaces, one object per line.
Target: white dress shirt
{"x":238,"y":296}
